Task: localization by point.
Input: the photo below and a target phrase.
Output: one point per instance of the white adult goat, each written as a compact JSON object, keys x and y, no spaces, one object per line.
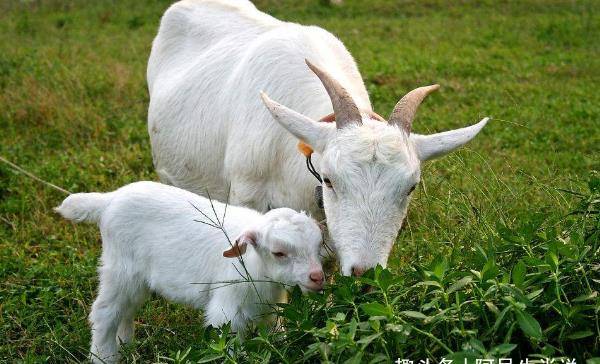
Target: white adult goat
{"x":153,"y":240}
{"x":210,"y":132}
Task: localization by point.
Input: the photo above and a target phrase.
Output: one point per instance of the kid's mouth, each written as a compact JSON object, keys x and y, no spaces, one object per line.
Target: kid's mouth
{"x":311,"y":288}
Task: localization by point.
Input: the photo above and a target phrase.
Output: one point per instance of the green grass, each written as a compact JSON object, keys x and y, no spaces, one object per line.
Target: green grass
{"x":73,"y":106}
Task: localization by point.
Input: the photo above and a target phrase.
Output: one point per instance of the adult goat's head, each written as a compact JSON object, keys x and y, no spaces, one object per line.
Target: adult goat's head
{"x":369,"y":168}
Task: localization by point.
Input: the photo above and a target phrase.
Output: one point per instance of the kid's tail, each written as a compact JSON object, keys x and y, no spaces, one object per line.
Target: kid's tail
{"x":86,"y":207}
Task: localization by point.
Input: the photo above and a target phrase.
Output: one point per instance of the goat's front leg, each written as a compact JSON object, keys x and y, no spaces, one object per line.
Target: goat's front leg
{"x":222,"y":309}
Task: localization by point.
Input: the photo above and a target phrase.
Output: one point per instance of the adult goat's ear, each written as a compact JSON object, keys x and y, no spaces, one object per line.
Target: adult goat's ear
{"x":302,"y":127}
{"x":240,"y":245}
{"x":436,"y":145}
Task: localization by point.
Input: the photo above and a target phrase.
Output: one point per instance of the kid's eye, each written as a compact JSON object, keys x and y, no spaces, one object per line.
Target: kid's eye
{"x":279,"y":254}
{"x":327,"y":182}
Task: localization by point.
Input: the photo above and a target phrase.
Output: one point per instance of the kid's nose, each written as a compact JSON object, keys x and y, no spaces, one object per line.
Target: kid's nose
{"x":317,"y":277}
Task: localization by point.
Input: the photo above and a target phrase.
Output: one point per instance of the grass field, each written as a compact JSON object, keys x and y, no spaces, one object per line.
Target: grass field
{"x":73,"y":103}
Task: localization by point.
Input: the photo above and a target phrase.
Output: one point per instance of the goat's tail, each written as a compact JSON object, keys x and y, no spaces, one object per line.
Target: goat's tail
{"x":86,"y":207}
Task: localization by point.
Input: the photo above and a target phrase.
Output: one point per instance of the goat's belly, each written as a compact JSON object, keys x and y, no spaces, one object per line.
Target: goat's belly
{"x":187,"y":152}
{"x":193,"y":294}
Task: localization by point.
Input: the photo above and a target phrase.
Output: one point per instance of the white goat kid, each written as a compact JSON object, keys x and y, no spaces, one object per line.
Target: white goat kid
{"x":152,"y":240}
{"x":209,"y":130}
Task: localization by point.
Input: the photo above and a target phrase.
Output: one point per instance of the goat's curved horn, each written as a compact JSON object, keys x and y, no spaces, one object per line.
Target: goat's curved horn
{"x":405,"y":110}
{"x":345,"y":109}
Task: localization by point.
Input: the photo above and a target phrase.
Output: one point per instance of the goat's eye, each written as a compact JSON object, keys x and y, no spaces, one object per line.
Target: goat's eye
{"x":279,"y":254}
{"x":327,"y":182}
{"x":412,"y":188}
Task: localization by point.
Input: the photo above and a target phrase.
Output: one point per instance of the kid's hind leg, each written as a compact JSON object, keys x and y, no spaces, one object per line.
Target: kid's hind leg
{"x":126,"y":330}
{"x":107,"y":312}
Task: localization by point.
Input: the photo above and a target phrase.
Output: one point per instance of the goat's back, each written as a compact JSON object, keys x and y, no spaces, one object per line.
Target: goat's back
{"x":207,"y":125}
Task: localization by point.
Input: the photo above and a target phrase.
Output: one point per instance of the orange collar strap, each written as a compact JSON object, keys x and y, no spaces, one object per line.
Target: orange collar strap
{"x":307,"y":149}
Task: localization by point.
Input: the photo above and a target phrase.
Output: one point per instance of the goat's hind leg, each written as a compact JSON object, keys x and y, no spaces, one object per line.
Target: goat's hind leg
{"x":126,"y":330}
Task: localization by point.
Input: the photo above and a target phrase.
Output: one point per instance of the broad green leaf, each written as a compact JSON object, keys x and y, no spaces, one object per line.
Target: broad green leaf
{"x":481,"y":251}
{"x":414,"y":314}
{"x":368,"y":281}
{"x":534,"y":294}
{"x":476,"y":273}
{"x":352,"y":327}
{"x":500,"y":318}
{"x":368,"y":339}
{"x":460,"y":284}
{"x":339,"y":317}
{"x":217,"y":346}
{"x":356,"y":359}
{"x":376,"y":309}
{"x":529,"y":324}
{"x":517,"y":294}
{"x":507,"y":234}
{"x":489,"y":271}
{"x":586,"y":297}
{"x":552,"y":259}
{"x":291,"y":313}
{"x":518,"y":305}
{"x":580,"y":334}
{"x":209,"y":358}
{"x":343,"y":293}
{"x":477,"y":345}
{"x":434,"y":303}
{"x":385,"y":279}
{"x":375,"y":323}
{"x":440,"y":266}
{"x":518,"y":274}
{"x":394,"y":327}
{"x":428,"y":283}
{"x":533,"y":262}
{"x":331,"y":329}
{"x":503,"y":348}
{"x":492,"y":307}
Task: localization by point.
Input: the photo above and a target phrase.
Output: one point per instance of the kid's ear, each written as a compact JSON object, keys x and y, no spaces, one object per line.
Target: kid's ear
{"x":240,"y":245}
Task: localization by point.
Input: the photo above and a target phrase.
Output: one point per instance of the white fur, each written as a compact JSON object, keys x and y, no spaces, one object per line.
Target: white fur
{"x":210,"y":132}
{"x":151,"y":243}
